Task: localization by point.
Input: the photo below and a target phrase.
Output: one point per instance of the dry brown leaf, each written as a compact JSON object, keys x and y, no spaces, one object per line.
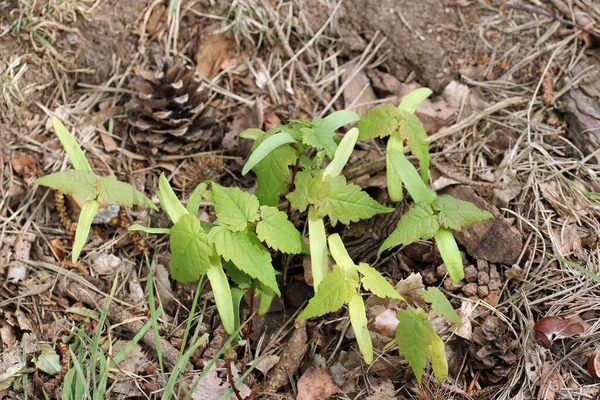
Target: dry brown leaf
{"x":7,"y":335}
{"x":358,"y":92}
{"x":411,"y":288}
{"x":552,"y":328}
{"x":290,"y":359}
{"x":316,"y":384}
{"x":550,"y":382}
{"x":267,"y":363}
{"x":24,"y":322}
{"x":212,"y":387}
{"x":158,"y":20}
{"x":385,"y":323}
{"x":570,"y":241}
{"x":25,"y":165}
{"x":163,"y":282}
{"x":216,"y":52}
{"x":383,"y":390}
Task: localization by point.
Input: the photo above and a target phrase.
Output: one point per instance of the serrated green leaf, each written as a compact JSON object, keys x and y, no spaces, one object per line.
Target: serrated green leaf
{"x":190,"y":250}
{"x":307,"y":190}
{"x":394,"y":182}
{"x":379,"y":121}
{"x":84,"y":223}
{"x":238,"y":276}
{"x":154,"y":231}
{"x":337,"y":119}
{"x":278,"y":232}
{"x":273,"y":173}
{"x":341,"y":257}
{"x":414,"y":337}
{"x":319,"y":262}
{"x":441,"y":305}
{"x":438,"y":358}
{"x":320,"y":139}
{"x":413,"y":100}
{"x":169,"y":201}
{"x":333,"y":292}
{"x":358,"y":319}
{"x":450,"y":254}
{"x":113,"y":191}
{"x":411,"y":179}
{"x":377,"y":284}
{"x":78,"y":159}
{"x":455,"y":214}
{"x":348,"y":203}
{"x":413,"y":131}
{"x":265,"y":148}
{"x":48,"y":360}
{"x":247,"y":253}
{"x":234,"y":207}
{"x":193,"y":204}
{"x":419,"y":222}
{"x":222,"y":294}
{"x":79,"y":184}
{"x":342,"y":154}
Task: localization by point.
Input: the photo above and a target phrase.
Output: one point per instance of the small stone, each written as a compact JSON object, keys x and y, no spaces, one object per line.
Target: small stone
{"x":494,"y":284}
{"x":483,"y":291}
{"x":482,"y":265}
{"x":430,"y":277}
{"x":483,"y":278}
{"x":441,"y":270}
{"x":470,"y":289}
{"x":453,"y":286}
{"x":471,"y":274}
{"x":494,"y":272}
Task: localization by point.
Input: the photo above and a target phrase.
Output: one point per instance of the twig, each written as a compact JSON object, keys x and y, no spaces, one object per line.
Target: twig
{"x":231,"y":380}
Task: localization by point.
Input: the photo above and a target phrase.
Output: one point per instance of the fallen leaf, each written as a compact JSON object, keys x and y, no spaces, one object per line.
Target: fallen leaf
{"x":48,"y":360}
{"x":212,"y":387}
{"x":22,"y":248}
{"x":158,"y":20}
{"x":57,"y":247}
{"x":134,"y":360}
{"x":84,"y":312}
{"x":105,"y":264}
{"x":23,"y":321}
{"x":550,"y":382}
{"x":593,"y":365}
{"x":7,"y":335}
{"x":511,"y":189}
{"x":163,"y":282}
{"x":358,"y":93}
{"x":552,"y":328}
{"x":217,"y":52}
{"x":316,"y":384}
{"x":383,"y":390}
{"x":290,"y":359}
{"x":385,"y":323}
{"x":266,"y":363}
{"x":570,"y":241}
{"x":411,"y":289}
{"x":25,"y":165}
{"x":10,"y":365}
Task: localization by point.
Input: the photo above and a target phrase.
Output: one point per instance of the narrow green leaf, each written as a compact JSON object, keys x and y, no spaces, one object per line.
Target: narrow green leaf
{"x":246,"y":252}
{"x":169,"y":201}
{"x":358,"y":319}
{"x":266,"y":147}
{"x":413,"y":100}
{"x":377,"y":284}
{"x":234,"y":207}
{"x":450,"y":254}
{"x":419,"y":222}
{"x":113,"y":191}
{"x":413,"y":182}
{"x":337,"y":119}
{"x":320,"y":139}
{"x":266,"y":298}
{"x":190,"y":250}
{"x":441,"y":305}
{"x":222,"y":294}
{"x":333,"y":291}
{"x":252,"y":133}
{"x":341,"y":256}
{"x":414,"y":336}
{"x":237,"y":295}
{"x":84,"y":223}
{"x":273,"y":174}
{"x":80,"y":163}
{"x":413,"y":131}
{"x":154,"y":231}
{"x":438,"y":358}
{"x":79,"y":184}
{"x":278,"y":232}
{"x":348,"y":203}
{"x":193,"y":204}
{"x":394,"y":182}
{"x":342,"y":154}
{"x":318,"y":247}
{"x":455,"y":213}
{"x":379,"y":121}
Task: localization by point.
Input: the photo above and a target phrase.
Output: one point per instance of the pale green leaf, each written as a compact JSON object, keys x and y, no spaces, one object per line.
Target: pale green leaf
{"x":438,"y":358}
{"x":273,"y":173}
{"x":358,"y":319}
{"x":190,"y":250}
{"x":234,"y":207}
{"x":379,"y":121}
{"x":450,"y":254}
{"x":84,"y":223}
{"x":342,"y":154}
{"x":337,"y":119}
{"x":413,"y":100}
{"x":413,"y":131}
{"x":252,"y":133}
{"x":48,"y":360}
{"x":320,"y":139}
{"x":80,"y":163}
{"x":441,"y":305}
{"x":341,"y":257}
{"x":348,"y":203}
{"x":319,"y":262}
{"x":236,"y":295}
{"x":247,"y":253}
{"x":410,"y":177}
{"x":154,"y":231}
{"x":222,"y":294}
{"x":239,"y":277}
{"x":414,"y":335}
{"x":193,"y":204}
{"x":278,"y":232}
{"x":455,"y":213}
{"x":169,"y":201}
{"x":393,"y":180}
{"x":377,"y":284}
{"x":333,"y":292}
{"x":307,"y":190}
{"x":265,"y":148}
{"x":84,"y":312}
{"x":8,"y":375}
{"x":113,"y":191}
{"x":79,"y":184}
{"x":266,"y":298}
{"x":419,"y":222}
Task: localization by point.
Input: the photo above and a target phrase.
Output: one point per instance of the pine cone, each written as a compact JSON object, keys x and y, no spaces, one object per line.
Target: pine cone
{"x":169,"y":111}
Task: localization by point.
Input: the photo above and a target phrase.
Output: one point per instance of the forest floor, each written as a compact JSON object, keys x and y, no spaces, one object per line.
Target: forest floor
{"x":513,"y":126}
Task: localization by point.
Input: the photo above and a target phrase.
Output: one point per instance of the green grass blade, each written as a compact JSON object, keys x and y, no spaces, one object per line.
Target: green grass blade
{"x":71,"y":146}
{"x":169,"y":201}
{"x":147,"y":229}
{"x":409,"y":175}
{"x":81,"y":381}
{"x":86,"y":217}
{"x":342,"y":154}
{"x":413,"y":100}
{"x":180,"y":366}
{"x":266,"y":147}
{"x":154,"y":317}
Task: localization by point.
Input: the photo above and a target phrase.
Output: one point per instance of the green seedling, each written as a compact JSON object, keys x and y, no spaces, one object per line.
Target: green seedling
{"x":87,"y":188}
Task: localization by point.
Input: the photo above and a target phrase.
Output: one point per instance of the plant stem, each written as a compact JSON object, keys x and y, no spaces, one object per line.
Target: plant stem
{"x":230,"y":377}
{"x":434,"y":253}
{"x":294,"y":172}
{"x":249,"y":326}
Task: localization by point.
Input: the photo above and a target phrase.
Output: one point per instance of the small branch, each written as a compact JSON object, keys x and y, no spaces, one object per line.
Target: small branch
{"x":238,"y":396}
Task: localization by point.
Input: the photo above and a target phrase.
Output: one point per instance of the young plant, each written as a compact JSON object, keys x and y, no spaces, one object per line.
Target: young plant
{"x":93,"y":192}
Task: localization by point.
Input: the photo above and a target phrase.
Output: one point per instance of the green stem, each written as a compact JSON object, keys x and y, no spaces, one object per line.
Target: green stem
{"x":318,"y":247}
